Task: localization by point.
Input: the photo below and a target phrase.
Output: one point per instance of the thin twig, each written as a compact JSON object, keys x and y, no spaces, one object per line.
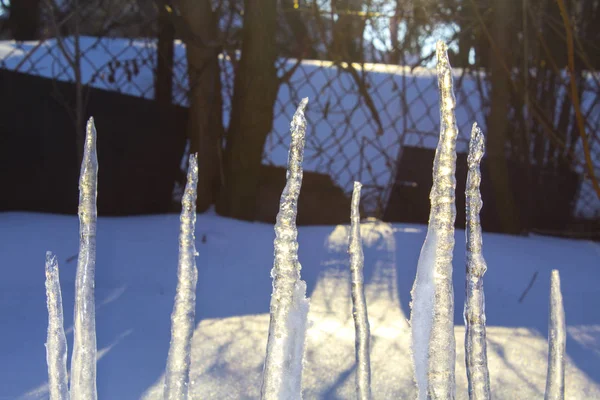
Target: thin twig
{"x":535,"y":274}
{"x":536,"y":110}
{"x":575,"y":97}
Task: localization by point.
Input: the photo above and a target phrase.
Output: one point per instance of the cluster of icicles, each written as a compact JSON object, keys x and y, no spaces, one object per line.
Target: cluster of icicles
{"x":432,"y":307}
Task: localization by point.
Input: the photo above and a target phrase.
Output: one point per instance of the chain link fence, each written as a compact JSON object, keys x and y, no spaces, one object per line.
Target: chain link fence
{"x":362,"y":115}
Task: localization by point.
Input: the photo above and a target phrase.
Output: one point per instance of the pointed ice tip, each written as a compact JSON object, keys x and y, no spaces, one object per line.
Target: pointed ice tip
{"x":355,"y":201}
{"x":476,"y":147}
{"x":193,"y":162}
{"x":303,"y":104}
{"x":441,"y":50}
{"x":555,"y":279}
{"x":192,"y":173}
{"x":89,"y":151}
{"x":51,"y":262}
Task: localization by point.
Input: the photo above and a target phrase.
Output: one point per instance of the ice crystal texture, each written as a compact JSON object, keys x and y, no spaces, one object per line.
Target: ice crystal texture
{"x":183,"y":317}
{"x":83,"y":363}
{"x":557,"y":341}
{"x":282,"y":374}
{"x":474,"y":312}
{"x":432,"y":308}
{"x":56,"y":343}
{"x":359,"y":304}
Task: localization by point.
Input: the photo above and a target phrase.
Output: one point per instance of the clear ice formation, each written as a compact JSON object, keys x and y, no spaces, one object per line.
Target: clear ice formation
{"x":474,"y":311}
{"x":432,"y":307}
{"x":282,"y":374}
{"x":359,"y":304}
{"x":183,"y":317}
{"x":56,"y":343}
{"x":557,"y":342}
{"x":83,"y":363}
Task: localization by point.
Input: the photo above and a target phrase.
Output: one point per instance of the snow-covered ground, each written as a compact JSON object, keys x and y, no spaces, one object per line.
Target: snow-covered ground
{"x":136,"y":279}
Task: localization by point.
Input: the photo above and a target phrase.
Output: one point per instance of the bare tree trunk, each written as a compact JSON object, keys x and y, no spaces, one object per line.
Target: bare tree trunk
{"x":498,"y":120}
{"x":79,"y":117}
{"x":24,"y":19}
{"x":164,"y":59}
{"x":394,"y":24}
{"x":301,"y":46}
{"x":205,"y":125}
{"x":74,"y":60}
{"x":348,"y":31}
{"x":255,"y":91}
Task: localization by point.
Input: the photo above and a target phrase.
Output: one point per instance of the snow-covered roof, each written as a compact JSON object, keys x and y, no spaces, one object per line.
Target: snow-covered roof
{"x":345,"y":139}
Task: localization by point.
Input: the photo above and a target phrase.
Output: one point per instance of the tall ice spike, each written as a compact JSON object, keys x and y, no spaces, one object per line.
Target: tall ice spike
{"x":83,"y":363}
{"x":56,"y":343}
{"x":474,"y":311}
{"x":289,"y":307}
{"x":359,"y":304}
{"x":177,"y":373}
{"x":432,"y":308}
{"x":557,"y":342}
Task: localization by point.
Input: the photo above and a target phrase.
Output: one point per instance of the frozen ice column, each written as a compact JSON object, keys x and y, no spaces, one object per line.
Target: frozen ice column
{"x":83,"y":363}
{"x":474,"y":311}
{"x":282,"y":374}
{"x":359,"y":304}
{"x":432,"y":307}
{"x":56,"y":343}
{"x":177,"y":373}
{"x":557,"y":342}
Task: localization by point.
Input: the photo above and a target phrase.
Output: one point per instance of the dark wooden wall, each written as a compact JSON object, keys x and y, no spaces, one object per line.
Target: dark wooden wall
{"x":139,"y":148}
{"x":544,"y":198}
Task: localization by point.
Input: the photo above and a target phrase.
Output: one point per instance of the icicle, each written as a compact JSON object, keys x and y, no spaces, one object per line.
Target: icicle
{"x":474,"y":312}
{"x":432,"y":308}
{"x":56,"y":344}
{"x":359,"y":304}
{"x":282,"y":372}
{"x":183,"y":317}
{"x":557,"y":341}
{"x":83,"y":364}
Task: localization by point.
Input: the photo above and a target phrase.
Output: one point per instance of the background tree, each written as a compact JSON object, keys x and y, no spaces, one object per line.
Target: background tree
{"x":24,"y":19}
{"x":255,"y":91}
{"x":199,"y":30}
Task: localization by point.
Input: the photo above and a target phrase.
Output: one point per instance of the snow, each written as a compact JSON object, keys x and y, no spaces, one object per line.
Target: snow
{"x":177,"y":373}
{"x":56,"y":344}
{"x":83,"y":363}
{"x":555,"y":382}
{"x":359,"y":305}
{"x":474,"y":309}
{"x":282,"y":375}
{"x":136,"y":278}
{"x":433,"y":294}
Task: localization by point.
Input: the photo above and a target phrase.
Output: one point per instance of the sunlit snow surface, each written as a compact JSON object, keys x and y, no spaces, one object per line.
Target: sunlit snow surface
{"x":136,"y":277}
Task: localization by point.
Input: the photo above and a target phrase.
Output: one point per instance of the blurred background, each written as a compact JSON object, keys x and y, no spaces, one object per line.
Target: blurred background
{"x":223,"y":78}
